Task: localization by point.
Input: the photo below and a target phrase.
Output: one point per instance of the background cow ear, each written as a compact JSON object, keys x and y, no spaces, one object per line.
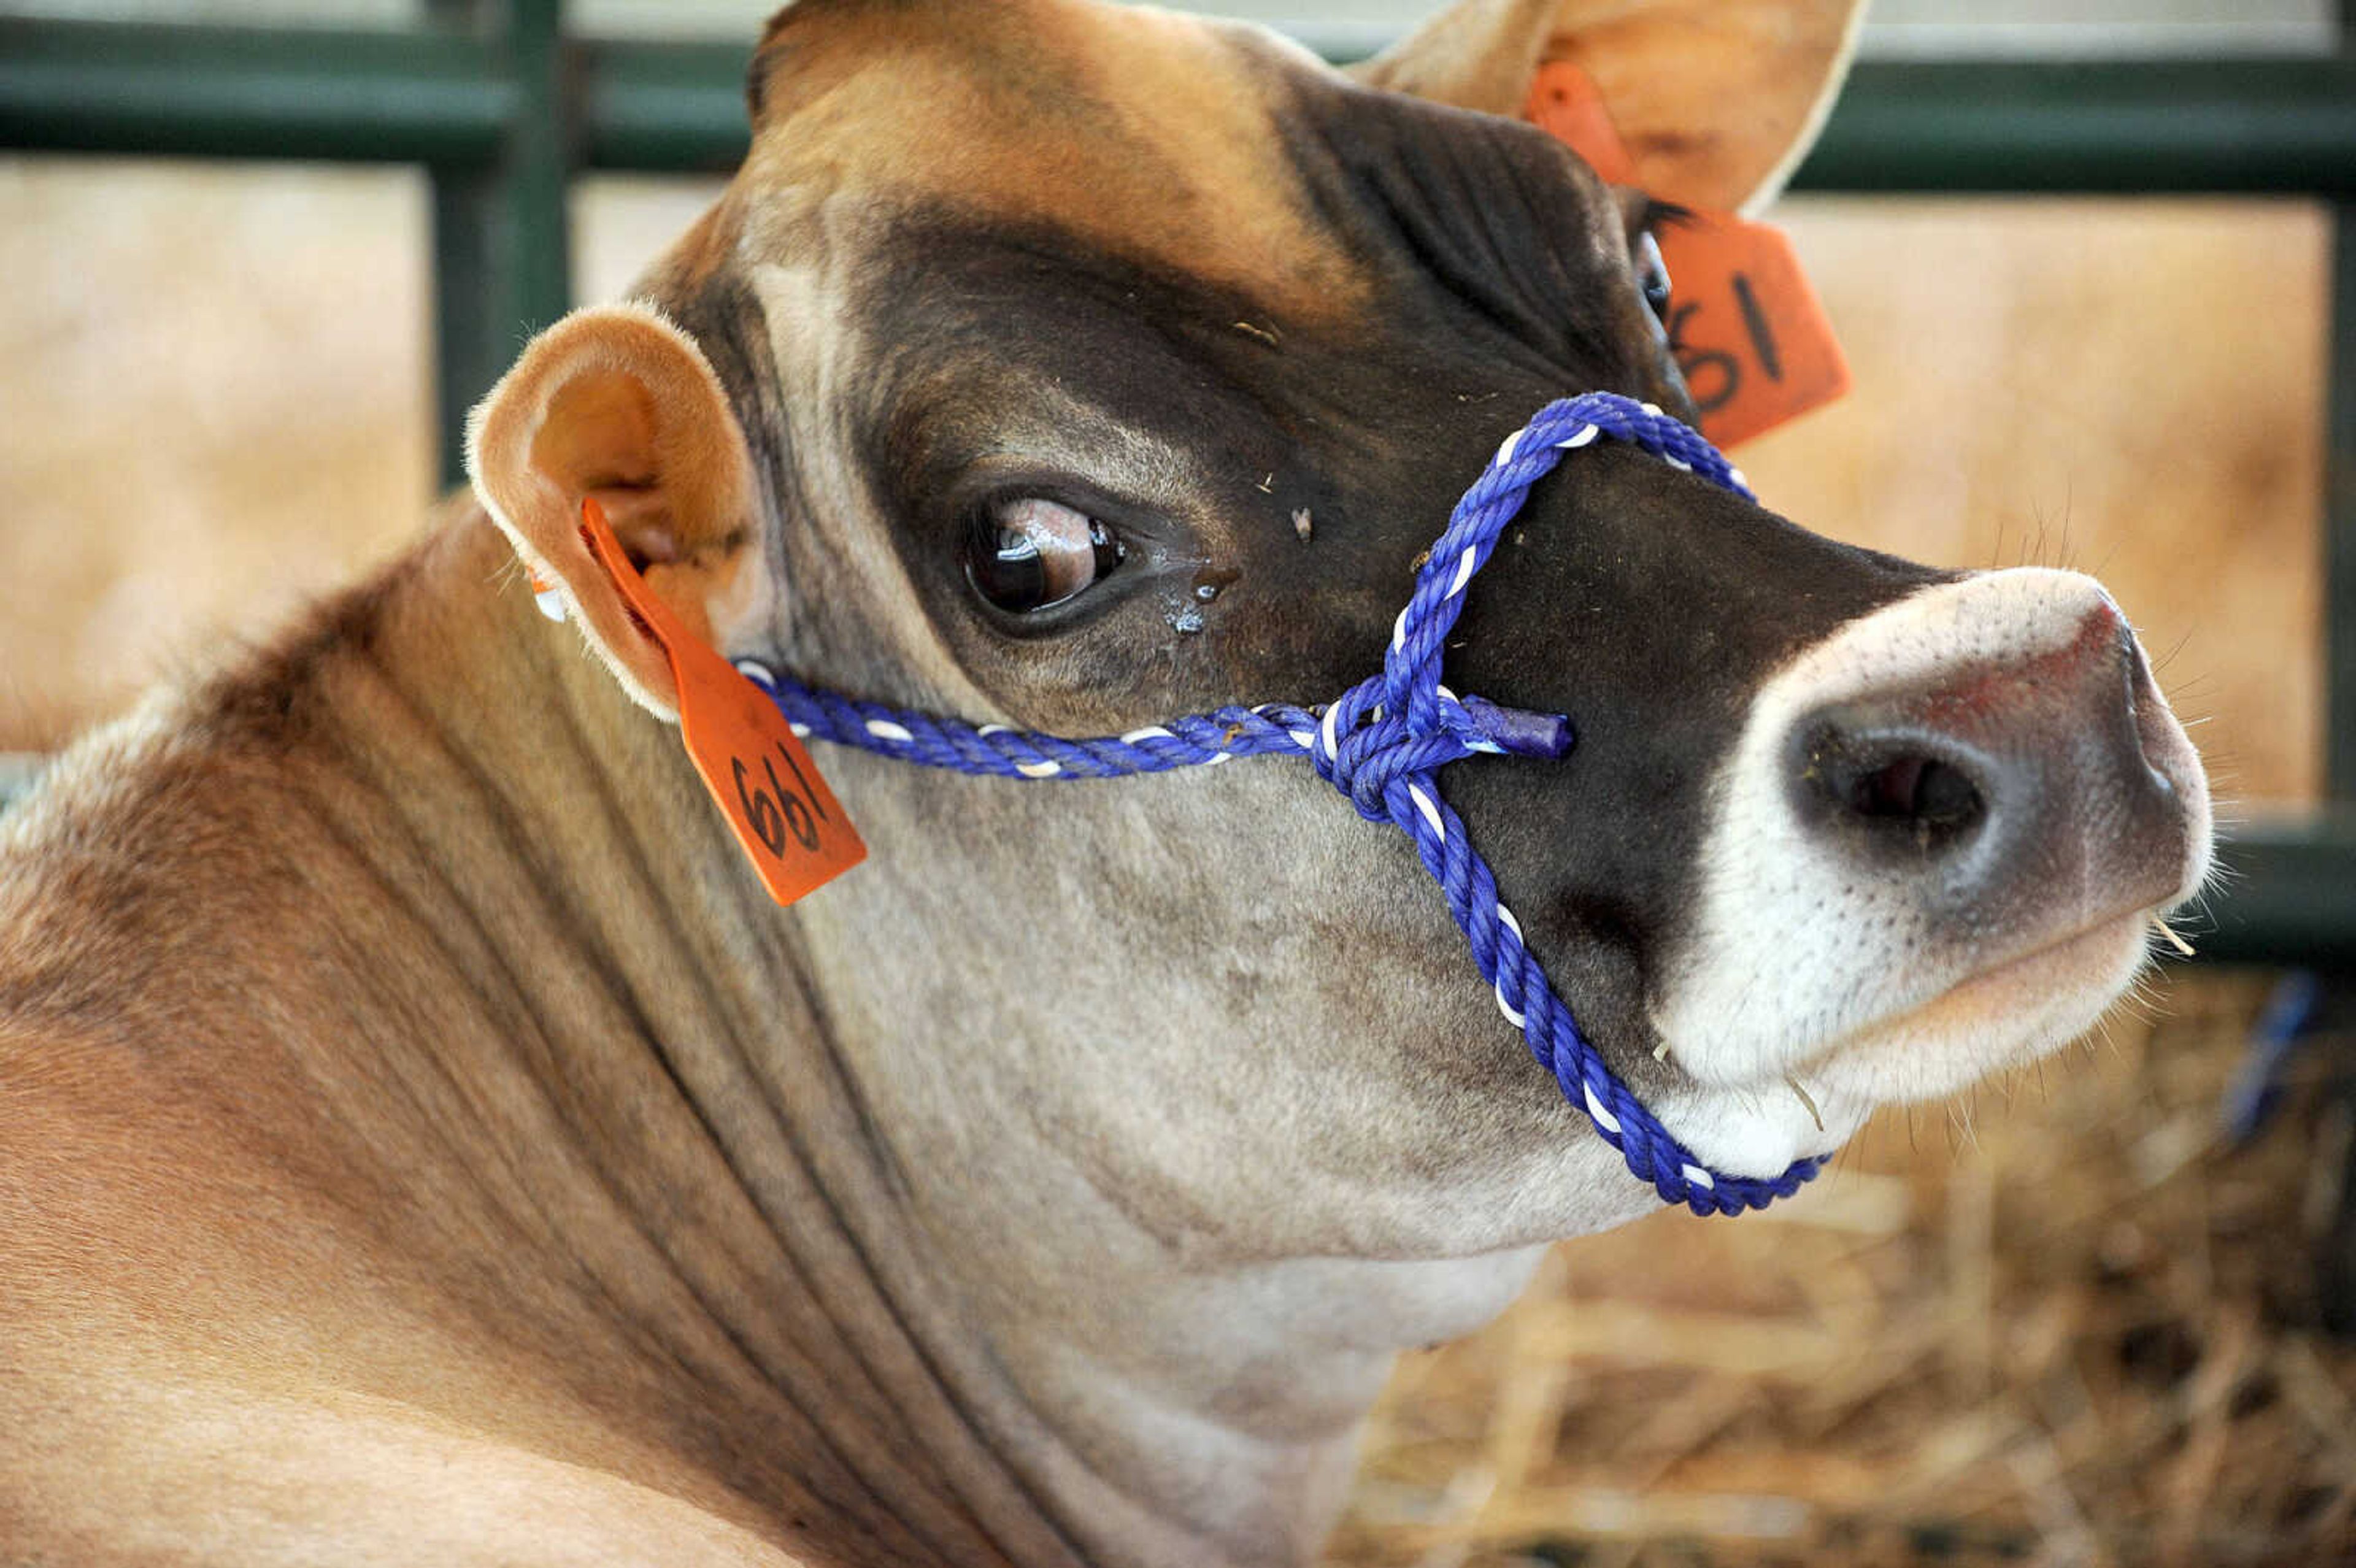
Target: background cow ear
{"x":616,"y":402}
{"x":1717,"y":99}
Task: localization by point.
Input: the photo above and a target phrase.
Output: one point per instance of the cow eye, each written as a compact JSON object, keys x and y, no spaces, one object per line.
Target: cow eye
{"x":1027,"y":554}
{"x":1652,"y":276}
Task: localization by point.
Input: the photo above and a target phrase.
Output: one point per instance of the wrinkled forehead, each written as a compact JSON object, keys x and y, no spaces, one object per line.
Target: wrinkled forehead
{"x":1150,"y":134}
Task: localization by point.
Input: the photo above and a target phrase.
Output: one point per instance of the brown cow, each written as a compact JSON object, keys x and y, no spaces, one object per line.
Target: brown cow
{"x":421,"y":1141}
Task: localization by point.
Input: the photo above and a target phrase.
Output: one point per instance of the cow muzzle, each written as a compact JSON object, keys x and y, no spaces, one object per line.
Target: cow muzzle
{"x":2005,"y":784}
{"x":1943,"y":840}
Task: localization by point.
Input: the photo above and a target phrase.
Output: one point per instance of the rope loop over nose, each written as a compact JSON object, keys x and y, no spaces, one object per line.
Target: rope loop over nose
{"x":1382,"y":744}
{"x":1404,"y":724}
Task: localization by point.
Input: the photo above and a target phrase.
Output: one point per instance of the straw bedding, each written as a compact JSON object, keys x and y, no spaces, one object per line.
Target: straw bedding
{"x":2063,"y":1323}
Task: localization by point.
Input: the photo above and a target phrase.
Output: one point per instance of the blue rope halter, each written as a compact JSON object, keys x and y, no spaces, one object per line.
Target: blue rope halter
{"x":1381,"y":744}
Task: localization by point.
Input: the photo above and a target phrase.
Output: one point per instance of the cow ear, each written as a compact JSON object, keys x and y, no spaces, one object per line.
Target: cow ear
{"x":617,"y":404}
{"x":1477,"y":54}
{"x":1717,"y":101}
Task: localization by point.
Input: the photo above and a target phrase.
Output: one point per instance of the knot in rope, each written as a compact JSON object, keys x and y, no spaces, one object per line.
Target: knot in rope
{"x":1366,"y":751}
{"x":1382,"y":744}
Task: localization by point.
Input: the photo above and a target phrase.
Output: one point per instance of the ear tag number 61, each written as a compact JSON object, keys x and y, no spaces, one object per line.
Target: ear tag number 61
{"x":1746,"y":329}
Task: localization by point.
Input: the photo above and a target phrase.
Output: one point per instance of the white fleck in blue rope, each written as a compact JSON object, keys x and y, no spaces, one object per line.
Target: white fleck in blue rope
{"x":1382,"y":744}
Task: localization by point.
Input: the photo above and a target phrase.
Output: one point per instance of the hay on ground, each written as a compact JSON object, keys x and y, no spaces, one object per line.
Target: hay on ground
{"x":2061,"y":1323}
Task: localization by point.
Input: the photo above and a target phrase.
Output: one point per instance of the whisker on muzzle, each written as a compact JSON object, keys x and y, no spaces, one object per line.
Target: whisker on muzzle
{"x":1814,"y":1115}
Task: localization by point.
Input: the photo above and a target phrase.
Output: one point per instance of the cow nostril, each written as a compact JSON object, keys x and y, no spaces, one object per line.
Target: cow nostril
{"x":1995,"y":791}
{"x":1895,"y":788}
{"x":1919,"y":789}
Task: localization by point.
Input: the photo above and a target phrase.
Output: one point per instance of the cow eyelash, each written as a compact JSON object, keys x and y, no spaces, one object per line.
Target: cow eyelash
{"x":1657,"y":215}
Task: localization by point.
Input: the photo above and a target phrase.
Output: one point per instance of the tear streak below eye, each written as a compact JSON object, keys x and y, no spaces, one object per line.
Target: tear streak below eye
{"x":1029,"y":553}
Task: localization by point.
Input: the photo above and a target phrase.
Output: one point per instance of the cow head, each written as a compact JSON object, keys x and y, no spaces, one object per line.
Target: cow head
{"x":1076,"y":366}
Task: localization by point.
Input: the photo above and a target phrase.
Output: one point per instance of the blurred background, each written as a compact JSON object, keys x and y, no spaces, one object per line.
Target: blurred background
{"x":2080,"y":1318}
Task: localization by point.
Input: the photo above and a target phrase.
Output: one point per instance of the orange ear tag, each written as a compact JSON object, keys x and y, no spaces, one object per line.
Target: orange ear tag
{"x":1749,"y":333}
{"x":793,"y":829}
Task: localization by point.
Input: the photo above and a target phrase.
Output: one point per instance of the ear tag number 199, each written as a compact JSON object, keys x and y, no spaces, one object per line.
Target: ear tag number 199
{"x":1745,"y":327}
{"x":791,"y":828}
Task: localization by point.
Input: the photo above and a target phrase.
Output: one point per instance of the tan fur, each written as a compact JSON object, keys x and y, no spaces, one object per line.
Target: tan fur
{"x":225,"y":1208}
{"x":1478,"y":54}
{"x":1138,"y":130}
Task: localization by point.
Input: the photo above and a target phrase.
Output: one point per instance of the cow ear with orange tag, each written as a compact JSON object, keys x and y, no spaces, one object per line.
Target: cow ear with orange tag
{"x":1747,"y":329}
{"x":791,"y":828}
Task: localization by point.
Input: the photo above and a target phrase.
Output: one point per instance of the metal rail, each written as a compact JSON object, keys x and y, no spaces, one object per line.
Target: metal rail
{"x":501,"y":109}
{"x":453,"y":96}
{"x":501,"y":114}
{"x":2287,"y":895}
{"x":502,"y":232}
{"x":2339,"y":515}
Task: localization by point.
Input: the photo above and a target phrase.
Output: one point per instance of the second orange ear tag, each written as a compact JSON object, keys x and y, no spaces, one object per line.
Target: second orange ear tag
{"x":1748,"y":331}
{"x":792,"y":828}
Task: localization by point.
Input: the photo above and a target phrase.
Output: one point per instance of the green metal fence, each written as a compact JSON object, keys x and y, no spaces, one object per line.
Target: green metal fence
{"x":502,"y":109}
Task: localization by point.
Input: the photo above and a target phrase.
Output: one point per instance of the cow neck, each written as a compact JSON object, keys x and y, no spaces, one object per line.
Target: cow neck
{"x":624,"y":1153}
{"x":779,"y":1302}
